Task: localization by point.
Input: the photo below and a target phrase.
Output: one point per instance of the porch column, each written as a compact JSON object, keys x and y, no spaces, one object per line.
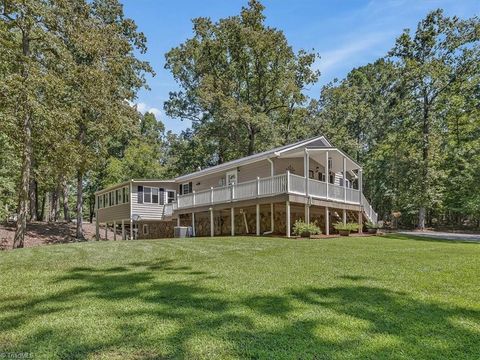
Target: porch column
{"x":288,"y":218}
{"x":114,"y":230}
{"x":257,"y":225}
{"x":123,"y":229}
{"x":212,"y":229}
{"x":272,"y":218}
{"x":97,"y":227}
{"x":193,"y":224}
{"x":106,"y":231}
{"x":344,"y":179}
{"x":344,"y":216}
{"x":307,"y":213}
{"x":327,"y":221}
{"x":131,"y":229}
{"x":360,"y":222}
{"x":306,"y":170}
{"x":327,"y":171}
{"x":232,"y":221}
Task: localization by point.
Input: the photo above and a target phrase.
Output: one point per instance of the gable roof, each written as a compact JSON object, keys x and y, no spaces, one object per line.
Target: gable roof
{"x":254,"y":158}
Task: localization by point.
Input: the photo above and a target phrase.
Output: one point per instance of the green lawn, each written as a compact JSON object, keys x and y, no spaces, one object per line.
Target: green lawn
{"x":231,"y":298}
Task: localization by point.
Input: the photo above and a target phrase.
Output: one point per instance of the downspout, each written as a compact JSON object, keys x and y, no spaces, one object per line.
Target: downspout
{"x":272,"y":170}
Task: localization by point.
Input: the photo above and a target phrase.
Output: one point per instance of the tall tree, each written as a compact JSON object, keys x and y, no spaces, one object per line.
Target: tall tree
{"x":106,"y":75}
{"x":26,"y":88}
{"x":443,"y":52}
{"x":241,"y":83}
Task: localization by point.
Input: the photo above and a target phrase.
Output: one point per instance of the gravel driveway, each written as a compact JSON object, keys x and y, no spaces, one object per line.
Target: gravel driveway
{"x":444,"y":235}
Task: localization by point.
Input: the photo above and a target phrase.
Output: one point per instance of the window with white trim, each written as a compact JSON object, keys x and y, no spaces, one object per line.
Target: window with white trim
{"x":185,"y":188}
{"x":161,"y":196}
{"x":171,"y":197}
{"x":147,"y":195}
{"x":118,"y":195}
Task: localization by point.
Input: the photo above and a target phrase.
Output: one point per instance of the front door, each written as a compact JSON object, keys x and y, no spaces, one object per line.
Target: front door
{"x":231,"y":177}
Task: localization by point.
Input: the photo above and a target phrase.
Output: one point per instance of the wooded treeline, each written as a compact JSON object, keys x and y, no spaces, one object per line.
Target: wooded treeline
{"x":69,"y":74}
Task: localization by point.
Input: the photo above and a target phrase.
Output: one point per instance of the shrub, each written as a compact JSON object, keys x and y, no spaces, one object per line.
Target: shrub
{"x":371,"y":225}
{"x":340,"y":226}
{"x":301,"y":227}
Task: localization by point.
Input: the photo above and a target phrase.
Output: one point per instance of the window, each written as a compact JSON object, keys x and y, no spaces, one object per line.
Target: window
{"x":311,"y":174}
{"x":110,"y":199}
{"x":162,"y":196}
{"x":105,"y":203}
{"x":140,"y":194}
{"x":147,"y":195}
{"x":171,"y":197}
{"x":330,"y":163}
{"x":332,"y":178}
{"x":185,"y":189}
{"x":119,"y":196}
{"x":321,"y":176}
{"x":155,"y":195}
{"x":145,"y":229}
{"x":231,"y":177}
{"x":126,"y":194}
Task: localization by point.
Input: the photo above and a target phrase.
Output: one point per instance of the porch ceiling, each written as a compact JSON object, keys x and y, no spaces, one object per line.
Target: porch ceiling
{"x":318,"y":154}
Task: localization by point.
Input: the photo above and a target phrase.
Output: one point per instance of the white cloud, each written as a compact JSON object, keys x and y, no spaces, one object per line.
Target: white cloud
{"x":337,"y":57}
{"x":143,"y":108}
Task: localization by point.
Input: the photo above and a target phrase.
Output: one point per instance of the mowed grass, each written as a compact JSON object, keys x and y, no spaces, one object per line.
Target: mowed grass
{"x":243,"y":298}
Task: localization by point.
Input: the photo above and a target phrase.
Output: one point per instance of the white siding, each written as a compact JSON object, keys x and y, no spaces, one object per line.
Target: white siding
{"x":149,"y":211}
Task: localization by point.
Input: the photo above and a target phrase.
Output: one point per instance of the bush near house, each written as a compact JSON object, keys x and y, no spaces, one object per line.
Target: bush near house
{"x":301,"y":228}
{"x":345,"y":228}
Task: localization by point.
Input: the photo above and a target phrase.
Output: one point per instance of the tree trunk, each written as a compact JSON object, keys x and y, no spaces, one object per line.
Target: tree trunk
{"x":42,"y":211}
{"x":79,"y":209}
{"x":91,"y":208}
{"x":21,"y":227}
{"x":54,"y":206}
{"x":425,"y":163}
{"x":33,"y":198}
{"x":23,"y":192}
{"x":421,"y":218}
{"x":251,"y":142}
{"x":66,"y":210}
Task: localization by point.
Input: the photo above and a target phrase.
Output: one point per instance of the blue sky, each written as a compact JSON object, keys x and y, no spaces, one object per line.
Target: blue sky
{"x":346,"y":33}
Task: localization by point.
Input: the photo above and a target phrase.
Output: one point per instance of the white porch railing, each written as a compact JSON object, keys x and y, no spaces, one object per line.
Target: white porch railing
{"x":168,"y":210}
{"x":275,"y":185}
{"x":297,"y":184}
{"x":367,"y":208}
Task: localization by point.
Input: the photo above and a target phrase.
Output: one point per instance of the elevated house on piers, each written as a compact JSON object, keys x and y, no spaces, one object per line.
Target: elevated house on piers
{"x":259,"y":194}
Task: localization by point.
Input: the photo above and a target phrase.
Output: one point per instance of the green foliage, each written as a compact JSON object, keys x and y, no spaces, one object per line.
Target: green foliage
{"x":241,"y":84}
{"x":350,"y":226}
{"x":411,"y":119}
{"x":371,"y":225}
{"x":300,"y":227}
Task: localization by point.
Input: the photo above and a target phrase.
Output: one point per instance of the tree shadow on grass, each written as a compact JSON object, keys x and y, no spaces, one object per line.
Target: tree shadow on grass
{"x":173,"y":311}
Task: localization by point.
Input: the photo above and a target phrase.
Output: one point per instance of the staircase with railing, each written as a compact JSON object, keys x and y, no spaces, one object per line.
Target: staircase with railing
{"x":274,"y":185}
